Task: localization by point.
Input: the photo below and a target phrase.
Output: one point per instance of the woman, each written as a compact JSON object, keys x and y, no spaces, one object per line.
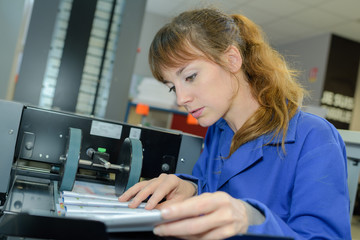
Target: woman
{"x":267,"y":167}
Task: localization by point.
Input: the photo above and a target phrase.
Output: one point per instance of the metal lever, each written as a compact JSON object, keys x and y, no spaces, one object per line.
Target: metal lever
{"x":119,"y":168}
{"x":100,"y":159}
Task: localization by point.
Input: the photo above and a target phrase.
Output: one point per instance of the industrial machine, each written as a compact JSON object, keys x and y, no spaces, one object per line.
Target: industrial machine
{"x":44,"y":152}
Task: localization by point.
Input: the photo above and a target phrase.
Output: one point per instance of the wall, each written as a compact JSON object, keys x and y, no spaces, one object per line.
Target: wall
{"x":151,"y":24}
{"x":336,"y":60}
{"x":11,"y":15}
{"x":36,"y":51}
{"x":305,"y":55}
{"x":125,"y":57}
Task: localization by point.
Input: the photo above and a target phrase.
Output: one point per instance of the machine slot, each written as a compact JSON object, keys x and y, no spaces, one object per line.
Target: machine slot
{"x":31,"y":195}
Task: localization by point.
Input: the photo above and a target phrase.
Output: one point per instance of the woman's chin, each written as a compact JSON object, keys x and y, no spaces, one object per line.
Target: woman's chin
{"x":205,"y":123}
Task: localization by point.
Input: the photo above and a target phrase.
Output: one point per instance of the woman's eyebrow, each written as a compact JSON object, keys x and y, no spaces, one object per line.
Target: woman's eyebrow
{"x":165,"y":81}
{"x":178,"y":72}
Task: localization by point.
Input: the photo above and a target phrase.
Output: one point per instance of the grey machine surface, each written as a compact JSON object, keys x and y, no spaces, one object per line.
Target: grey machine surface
{"x":352,"y":144}
{"x":43,"y":152}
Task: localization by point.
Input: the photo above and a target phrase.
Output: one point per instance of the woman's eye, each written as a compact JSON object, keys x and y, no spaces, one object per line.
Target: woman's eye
{"x":172,"y":89}
{"x":191,"y":77}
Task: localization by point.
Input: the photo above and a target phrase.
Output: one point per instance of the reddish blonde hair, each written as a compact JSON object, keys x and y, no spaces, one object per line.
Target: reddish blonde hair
{"x":211,"y":32}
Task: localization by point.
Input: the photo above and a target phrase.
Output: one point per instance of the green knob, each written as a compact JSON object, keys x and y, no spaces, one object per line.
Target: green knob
{"x":102,"y":150}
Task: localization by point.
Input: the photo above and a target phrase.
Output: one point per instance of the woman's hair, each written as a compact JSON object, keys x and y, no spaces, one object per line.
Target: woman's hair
{"x":211,"y":32}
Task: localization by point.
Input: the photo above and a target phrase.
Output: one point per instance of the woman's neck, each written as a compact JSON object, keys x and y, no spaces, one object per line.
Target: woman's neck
{"x":243,"y":106}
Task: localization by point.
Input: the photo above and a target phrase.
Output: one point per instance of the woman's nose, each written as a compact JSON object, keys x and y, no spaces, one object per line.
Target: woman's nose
{"x":182,"y":96}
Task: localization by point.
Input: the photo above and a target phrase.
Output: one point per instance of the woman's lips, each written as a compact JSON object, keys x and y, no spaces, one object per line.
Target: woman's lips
{"x":197,"y":113}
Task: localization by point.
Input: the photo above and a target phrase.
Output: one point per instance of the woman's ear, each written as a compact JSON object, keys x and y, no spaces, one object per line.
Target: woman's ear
{"x":233,"y":58}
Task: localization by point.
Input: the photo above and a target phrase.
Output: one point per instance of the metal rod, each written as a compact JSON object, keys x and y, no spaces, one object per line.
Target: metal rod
{"x":119,"y":168}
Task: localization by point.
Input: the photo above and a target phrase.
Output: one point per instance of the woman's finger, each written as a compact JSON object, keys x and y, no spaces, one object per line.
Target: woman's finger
{"x":131,"y":192}
{"x":195,"y":206}
{"x":144,"y":193}
{"x":165,"y":188}
{"x":169,"y":187}
{"x":221,"y":232}
{"x":199,"y":224}
{"x":203,"y":215}
{"x":155,"y":190}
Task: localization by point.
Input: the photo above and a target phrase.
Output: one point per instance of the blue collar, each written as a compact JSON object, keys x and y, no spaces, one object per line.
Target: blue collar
{"x":251,"y":152}
{"x":290,"y":136}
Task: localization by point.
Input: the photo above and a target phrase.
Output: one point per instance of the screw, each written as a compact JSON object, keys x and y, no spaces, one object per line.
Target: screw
{"x":165,"y":167}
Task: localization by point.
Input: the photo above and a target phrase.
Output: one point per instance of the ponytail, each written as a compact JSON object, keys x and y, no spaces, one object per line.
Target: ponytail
{"x":273,"y":85}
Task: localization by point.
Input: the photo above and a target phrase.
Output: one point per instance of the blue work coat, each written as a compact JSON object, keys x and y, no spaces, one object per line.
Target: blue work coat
{"x":302,"y":193}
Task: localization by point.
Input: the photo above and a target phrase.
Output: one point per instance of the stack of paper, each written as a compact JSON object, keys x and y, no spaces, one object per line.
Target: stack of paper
{"x":77,"y":203}
{"x":105,"y":207}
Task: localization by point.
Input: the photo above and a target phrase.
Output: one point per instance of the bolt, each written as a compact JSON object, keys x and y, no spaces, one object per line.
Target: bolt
{"x":165,"y":167}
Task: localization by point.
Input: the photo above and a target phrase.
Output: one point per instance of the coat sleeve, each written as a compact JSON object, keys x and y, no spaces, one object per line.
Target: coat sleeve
{"x":199,"y":171}
{"x":320,"y":198}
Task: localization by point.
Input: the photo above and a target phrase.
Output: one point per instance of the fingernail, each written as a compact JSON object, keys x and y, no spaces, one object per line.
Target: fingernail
{"x":148,"y":205}
{"x":131,"y":203}
{"x":165,"y":212}
{"x":156,"y":231}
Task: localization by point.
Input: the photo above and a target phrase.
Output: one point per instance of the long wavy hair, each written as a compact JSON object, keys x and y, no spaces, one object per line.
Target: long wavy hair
{"x":272,"y":82}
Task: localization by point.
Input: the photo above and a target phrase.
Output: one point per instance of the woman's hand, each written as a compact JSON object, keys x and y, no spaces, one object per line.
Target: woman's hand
{"x":207,"y":216}
{"x":167,"y":186}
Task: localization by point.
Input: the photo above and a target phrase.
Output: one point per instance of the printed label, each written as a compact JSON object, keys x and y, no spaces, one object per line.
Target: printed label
{"x":105,"y":129}
{"x":135,"y":133}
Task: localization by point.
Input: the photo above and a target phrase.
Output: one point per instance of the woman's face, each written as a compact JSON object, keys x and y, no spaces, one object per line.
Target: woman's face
{"x":204,"y":88}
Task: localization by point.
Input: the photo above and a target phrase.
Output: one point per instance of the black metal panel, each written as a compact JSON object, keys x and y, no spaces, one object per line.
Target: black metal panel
{"x":36,"y":51}
{"x":51,"y":131}
{"x":74,"y":54}
{"x":41,"y":227}
{"x":342,"y":70}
